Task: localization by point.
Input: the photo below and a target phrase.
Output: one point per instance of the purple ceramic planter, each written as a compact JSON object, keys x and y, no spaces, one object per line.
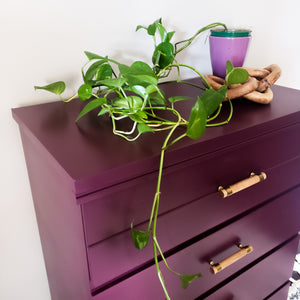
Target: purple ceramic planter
{"x":228,"y":45}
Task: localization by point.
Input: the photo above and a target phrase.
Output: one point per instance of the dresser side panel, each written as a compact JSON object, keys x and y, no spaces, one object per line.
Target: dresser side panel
{"x":60,"y":225}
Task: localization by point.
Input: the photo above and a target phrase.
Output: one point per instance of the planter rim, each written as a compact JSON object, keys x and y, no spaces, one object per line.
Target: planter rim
{"x":230,"y":32}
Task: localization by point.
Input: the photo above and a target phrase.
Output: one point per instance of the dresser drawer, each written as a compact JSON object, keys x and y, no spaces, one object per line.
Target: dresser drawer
{"x":263,"y":279}
{"x":264,"y":229}
{"x":110,"y":211}
{"x":281,"y":293}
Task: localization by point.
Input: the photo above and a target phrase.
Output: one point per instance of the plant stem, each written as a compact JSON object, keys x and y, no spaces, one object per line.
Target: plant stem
{"x":196,"y":71}
{"x":68,"y":100}
{"x":228,"y":119}
{"x":154,"y":213}
{"x":163,"y":258}
{"x":176,"y":140}
{"x":216,"y":114}
{"x":190,"y":40}
{"x":183,"y":82}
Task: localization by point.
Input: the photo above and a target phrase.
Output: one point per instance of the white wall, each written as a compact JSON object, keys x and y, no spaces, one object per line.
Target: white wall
{"x":43,"y":41}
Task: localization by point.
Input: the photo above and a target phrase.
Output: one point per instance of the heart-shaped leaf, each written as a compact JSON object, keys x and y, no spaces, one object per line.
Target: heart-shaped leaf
{"x":157,"y":98}
{"x":212,"y":99}
{"x":104,"y":71}
{"x":130,"y":102}
{"x":55,"y":87}
{"x":197,"y":120}
{"x":124,"y":69}
{"x":112,"y":82}
{"x":142,"y":127}
{"x":139,"y":238}
{"x":138,"y":89}
{"x":137,"y":68}
{"x":185,"y":280}
{"x":139,"y":117}
{"x":151,"y":29}
{"x":90,"y":106}
{"x":206,"y":104}
{"x":85,"y":92}
{"x":139,"y":73}
{"x":143,"y":80}
{"x":237,"y":76}
{"x":91,"y":71}
{"x":163,"y":54}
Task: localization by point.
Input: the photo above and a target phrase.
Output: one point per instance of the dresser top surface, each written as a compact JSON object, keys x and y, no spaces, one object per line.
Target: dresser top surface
{"x":94,"y":158}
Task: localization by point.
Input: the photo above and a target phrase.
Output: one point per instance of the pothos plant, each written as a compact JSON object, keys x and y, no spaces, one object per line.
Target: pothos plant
{"x":134,"y":92}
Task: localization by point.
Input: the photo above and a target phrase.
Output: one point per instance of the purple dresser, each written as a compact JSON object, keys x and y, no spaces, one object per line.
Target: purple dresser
{"x":89,"y":185}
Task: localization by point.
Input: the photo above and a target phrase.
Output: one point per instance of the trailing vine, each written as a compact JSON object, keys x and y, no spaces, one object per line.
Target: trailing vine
{"x":133,"y":92}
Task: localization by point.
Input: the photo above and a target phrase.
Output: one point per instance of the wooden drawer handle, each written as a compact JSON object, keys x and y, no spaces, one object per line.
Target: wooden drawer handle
{"x":241,"y":185}
{"x":217,"y":267}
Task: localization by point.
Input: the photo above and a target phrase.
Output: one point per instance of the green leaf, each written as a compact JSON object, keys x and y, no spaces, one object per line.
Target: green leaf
{"x":156,"y":95}
{"x":104,"y":71}
{"x":157,"y":98}
{"x":197,"y":120}
{"x":138,"y":117}
{"x":124,"y":69}
{"x":137,"y":68}
{"x":139,"y":73}
{"x":212,"y":99}
{"x":162,"y":31}
{"x":143,"y":80}
{"x":141,"y":114}
{"x":142,"y":127}
{"x":131,"y":102}
{"x":55,"y":87}
{"x":163,"y":54}
{"x":92,"y":56}
{"x":169,"y":36}
{"x":151,"y":29}
{"x":135,"y":102}
{"x":229,"y":67}
{"x":185,"y":280}
{"x":138,"y":89}
{"x":139,"y":238}
{"x":151,"y":89}
{"x":178,"y":98}
{"x":112,"y":82}
{"x":236,"y":76}
{"x":206,"y":104}
{"x":91,"y":71}
{"x":140,"y":27}
{"x":102,"y":112}
{"x":90,"y":106}
{"x":85,"y":92}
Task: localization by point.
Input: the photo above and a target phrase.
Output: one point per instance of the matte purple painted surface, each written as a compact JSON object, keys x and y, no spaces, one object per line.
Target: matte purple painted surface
{"x":175,"y":228}
{"x":192,"y":180}
{"x":60,"y":224}
{"x":223,"y":49}
{"x":256,"y":283}
{"x":86,"y":193}
{"x":95,"y":150}
{"x":261,"y":229}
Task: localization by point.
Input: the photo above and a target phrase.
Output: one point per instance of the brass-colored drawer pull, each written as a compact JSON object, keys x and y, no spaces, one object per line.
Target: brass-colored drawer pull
{"x":217,"y":267}
{"x":241,"y":185}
